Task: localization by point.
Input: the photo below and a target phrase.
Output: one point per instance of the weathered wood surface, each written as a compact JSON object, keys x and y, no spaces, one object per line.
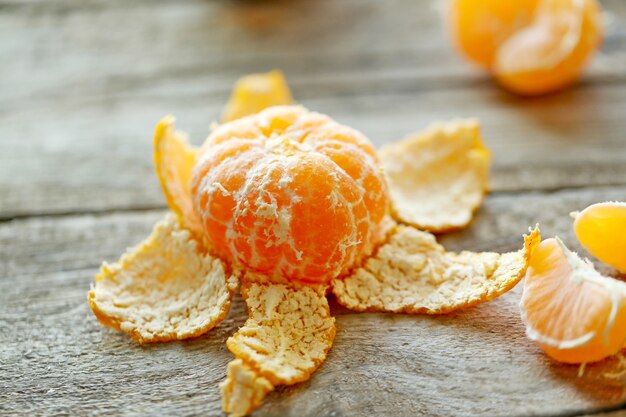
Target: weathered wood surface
{"x":57,"y":359}
{"x":81,"y":87}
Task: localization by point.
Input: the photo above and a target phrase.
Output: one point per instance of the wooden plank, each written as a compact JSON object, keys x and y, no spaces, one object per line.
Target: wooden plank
{"x":56,"y":359}
{"x":101,"y":158}
{"x":78,"y":103}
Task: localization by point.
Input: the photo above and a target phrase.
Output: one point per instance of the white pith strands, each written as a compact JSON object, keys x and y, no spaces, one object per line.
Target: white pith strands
{"x":571,"y":19}
{"x":581,"y":272}
{"x":276,"y":156}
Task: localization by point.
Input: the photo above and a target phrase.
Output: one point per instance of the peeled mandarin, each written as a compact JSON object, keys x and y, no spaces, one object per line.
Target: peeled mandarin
{"x":480,"y":26}
{"x":551,"y":52}
{"x":601,"y":229}
{"x":290,"y":193}
{"x":575,"y":314}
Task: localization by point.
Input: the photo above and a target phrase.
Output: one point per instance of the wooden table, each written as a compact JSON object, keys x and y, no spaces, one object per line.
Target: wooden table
{"x":82,"y":85}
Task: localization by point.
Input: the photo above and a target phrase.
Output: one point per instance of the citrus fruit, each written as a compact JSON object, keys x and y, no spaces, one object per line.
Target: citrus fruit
{"x":531,"y":47}
{"x":601,"y":229}
{"x":575,"y":314}
{"x":479,"y":26}
{"x":291,"y":193}
{"x":552,"y":51}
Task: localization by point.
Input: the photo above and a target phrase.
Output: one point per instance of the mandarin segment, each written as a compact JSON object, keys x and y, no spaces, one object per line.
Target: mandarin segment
{"x":575,"y":314}
{"x":601,"y":229}
{"x":255,"y":92}
{"x":174,"y":159}
{"x":412,"y":273}
{"x":288,"y":192}
{"x":439,"y":177}
{"x":553,"y":50}
{"x":164,"y":289}
{"x":479,"y":26}
{"x":531,"y":47}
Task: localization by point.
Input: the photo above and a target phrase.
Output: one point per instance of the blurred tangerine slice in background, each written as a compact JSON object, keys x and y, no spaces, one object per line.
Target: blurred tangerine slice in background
{"x":575,"y":314}
{"x":480,"y":26}
{"x":551,"y":53}
{"x":531,"y":47}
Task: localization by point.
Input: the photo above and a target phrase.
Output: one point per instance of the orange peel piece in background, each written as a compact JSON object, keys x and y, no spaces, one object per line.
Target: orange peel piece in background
{"x":412,"y":273}
{"x":439,"y":177}
{"x":601,"y":229}
{"x":551,"y":52}
{"x":255,"y":92}
{"x":174,"y":160}
{"x":286,"y":337}
{"x":164,"y":289}
{"x":575,"y":314}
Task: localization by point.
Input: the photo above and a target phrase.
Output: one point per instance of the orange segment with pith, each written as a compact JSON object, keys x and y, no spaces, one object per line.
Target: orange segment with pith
{"x":291,"y":193}
{"x":550,"y":53}
{"x":480,"y":26}
{"x":601,"y":229}
{"x":174,"y":159}
{"x":530,"y":46}
{"x":575,"y":314}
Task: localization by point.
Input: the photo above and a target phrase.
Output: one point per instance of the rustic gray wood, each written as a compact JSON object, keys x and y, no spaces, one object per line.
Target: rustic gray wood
{"x":55,"y":357}
{"x":82,"y":84}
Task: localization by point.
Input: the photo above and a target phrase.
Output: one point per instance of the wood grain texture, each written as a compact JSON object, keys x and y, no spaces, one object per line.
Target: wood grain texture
{"x":55,"y":358}
{"x":83,"y":84}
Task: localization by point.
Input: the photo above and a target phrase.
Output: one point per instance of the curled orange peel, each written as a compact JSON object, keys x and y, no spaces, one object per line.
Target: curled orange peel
{"x":285,"y":339}
{"x":174,"y":160}
{"x":438,"y":178}
{"x":164,"y":289}
{"x":412,"y":273}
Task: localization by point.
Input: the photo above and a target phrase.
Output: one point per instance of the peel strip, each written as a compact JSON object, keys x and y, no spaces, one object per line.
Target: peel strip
{"x":412,"y":273}
{"x":286,"y":337}
{"x":174,"y":160}
{"x":164,"y":289}
{"x":439,"y":177}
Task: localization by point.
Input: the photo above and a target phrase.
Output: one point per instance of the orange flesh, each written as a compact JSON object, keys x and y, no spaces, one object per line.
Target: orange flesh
{"x":574,"y":314}
{"x":532,"y":47}
{"x":551,"y":53}
{"x":601,"y":229}
{"x":291,"y":193}
{"x":480,"y":26}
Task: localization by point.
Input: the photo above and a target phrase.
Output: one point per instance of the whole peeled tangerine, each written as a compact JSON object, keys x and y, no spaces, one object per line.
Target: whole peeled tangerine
{"x":291,"y":193}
